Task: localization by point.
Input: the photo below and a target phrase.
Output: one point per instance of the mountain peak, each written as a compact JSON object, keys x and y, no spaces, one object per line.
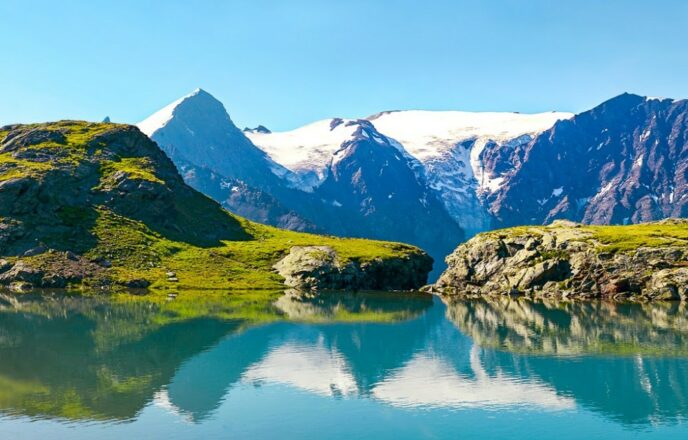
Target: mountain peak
{"x":624,"y":99}
{"x":159,"y":119}
{"x":259,"y":129}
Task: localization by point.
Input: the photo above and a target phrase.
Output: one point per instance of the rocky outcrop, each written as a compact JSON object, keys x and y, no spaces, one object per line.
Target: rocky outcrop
{"x":570,"y":260}
{"x":320,"y":267}
{"x":54,"y":269}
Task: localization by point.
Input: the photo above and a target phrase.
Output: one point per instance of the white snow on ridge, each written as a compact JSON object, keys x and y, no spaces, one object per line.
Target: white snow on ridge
{"x":449,"y":145}
{"x":307,"y":148}
{"x":443,"y":146}
{"x":434,"y":138}
{"x":159,"y":119}
{"x":426,"y":134}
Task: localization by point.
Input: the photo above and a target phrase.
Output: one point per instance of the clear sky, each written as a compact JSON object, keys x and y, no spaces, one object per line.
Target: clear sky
{"x":286,"y":63}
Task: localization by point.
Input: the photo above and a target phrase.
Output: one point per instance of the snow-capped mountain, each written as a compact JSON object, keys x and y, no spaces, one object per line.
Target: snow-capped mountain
{"x":450,"y":146}
{"x":311,"y":150}
{"x":196,"y":128}
{"x":341,"y":177}
{"x":445,"y":147}
{"x":431,"y":178}
{"x":369,"y":176}
{"x":624,"y":161}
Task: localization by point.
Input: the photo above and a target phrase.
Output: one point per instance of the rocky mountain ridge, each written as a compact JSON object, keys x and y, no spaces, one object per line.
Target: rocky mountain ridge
{"x":622,"y":162}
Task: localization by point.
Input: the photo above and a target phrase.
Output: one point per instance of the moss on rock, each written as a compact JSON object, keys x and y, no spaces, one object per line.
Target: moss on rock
{"x":636,"y":262}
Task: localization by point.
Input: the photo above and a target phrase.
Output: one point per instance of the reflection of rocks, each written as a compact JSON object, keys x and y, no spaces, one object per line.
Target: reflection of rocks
{"x":358,"y":306}
{"x":566,"y":260}
{"x":626,"y":361}
{"x":554,"y":327}
{"x":319,"y":267}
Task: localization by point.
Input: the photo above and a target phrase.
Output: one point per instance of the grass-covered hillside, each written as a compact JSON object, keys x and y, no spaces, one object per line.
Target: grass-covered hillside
{"x":99,"y":204}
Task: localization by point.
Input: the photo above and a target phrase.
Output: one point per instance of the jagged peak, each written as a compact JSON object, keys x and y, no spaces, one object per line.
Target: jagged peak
{"x":382,"y":113}
{"x":624,"y":98}
{"x":261,"y":129}
{"x":159,"y":119}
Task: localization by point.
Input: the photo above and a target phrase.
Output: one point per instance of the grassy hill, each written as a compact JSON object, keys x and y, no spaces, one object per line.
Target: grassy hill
{"x":100,"y":205}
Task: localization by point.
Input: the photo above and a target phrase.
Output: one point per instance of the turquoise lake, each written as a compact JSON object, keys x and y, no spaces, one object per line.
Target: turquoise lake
{"x":343,"y":366}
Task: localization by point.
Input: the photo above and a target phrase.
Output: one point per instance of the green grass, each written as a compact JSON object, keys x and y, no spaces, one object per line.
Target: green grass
{"x":514,"y":231}
{"x":206,"y":246}
{"x":138,"y":252}
{"x":139,"y":168}
{"x":615,"y":238}
{"x":13,"y":168}
{"x":630,"y":237}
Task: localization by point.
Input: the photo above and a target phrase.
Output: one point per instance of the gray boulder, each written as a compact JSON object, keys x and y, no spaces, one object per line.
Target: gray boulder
{"x":319,"y":267}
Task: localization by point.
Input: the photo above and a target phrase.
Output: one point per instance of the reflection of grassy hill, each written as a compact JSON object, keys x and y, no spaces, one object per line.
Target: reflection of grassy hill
{"x":331,"y":307}
{"x":102,"y":202}
{"x":554,"y":327}
{"x":67,"y":365}
{"x":104,"y":358}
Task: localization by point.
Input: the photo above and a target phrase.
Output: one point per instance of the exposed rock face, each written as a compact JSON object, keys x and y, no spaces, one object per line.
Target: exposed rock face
{"x":380,"y":196}
{"x":243,"y":199}
{"x":57,"y":271}
{"x":622,"y":162}
{"x":569,"y":260}
{"x":319,"y":267}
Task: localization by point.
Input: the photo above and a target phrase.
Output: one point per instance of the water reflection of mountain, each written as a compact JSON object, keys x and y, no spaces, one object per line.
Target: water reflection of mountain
{"x":420,"y":361}
{"x":91,"y":358}
{"x":84,"y":360}
{"x":57,"y":360}
{"x":624,"y":360}
{"x":354,"y":340}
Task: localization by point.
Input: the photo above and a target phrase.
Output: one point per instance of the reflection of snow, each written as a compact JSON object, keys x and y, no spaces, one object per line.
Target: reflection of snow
{"x":312,"y":368}
{"x":429,"y":381}
{"x":161,"y":399}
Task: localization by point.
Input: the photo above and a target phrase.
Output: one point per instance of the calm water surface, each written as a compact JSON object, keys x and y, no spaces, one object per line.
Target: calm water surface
{"x":341,"y":366}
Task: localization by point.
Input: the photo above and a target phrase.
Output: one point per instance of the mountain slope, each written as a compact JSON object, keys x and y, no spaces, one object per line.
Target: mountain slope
{"x":624,"y":161}
{"x":453,"y":147}
{"x":219,"y":146}
{"x":449,"y":149}
{"x":371,"y":186}
{"x":101,"y":204}
{"x":298,"y":182}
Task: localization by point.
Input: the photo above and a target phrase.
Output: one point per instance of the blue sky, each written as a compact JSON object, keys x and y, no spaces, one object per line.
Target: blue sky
{"x":286,"y":63}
